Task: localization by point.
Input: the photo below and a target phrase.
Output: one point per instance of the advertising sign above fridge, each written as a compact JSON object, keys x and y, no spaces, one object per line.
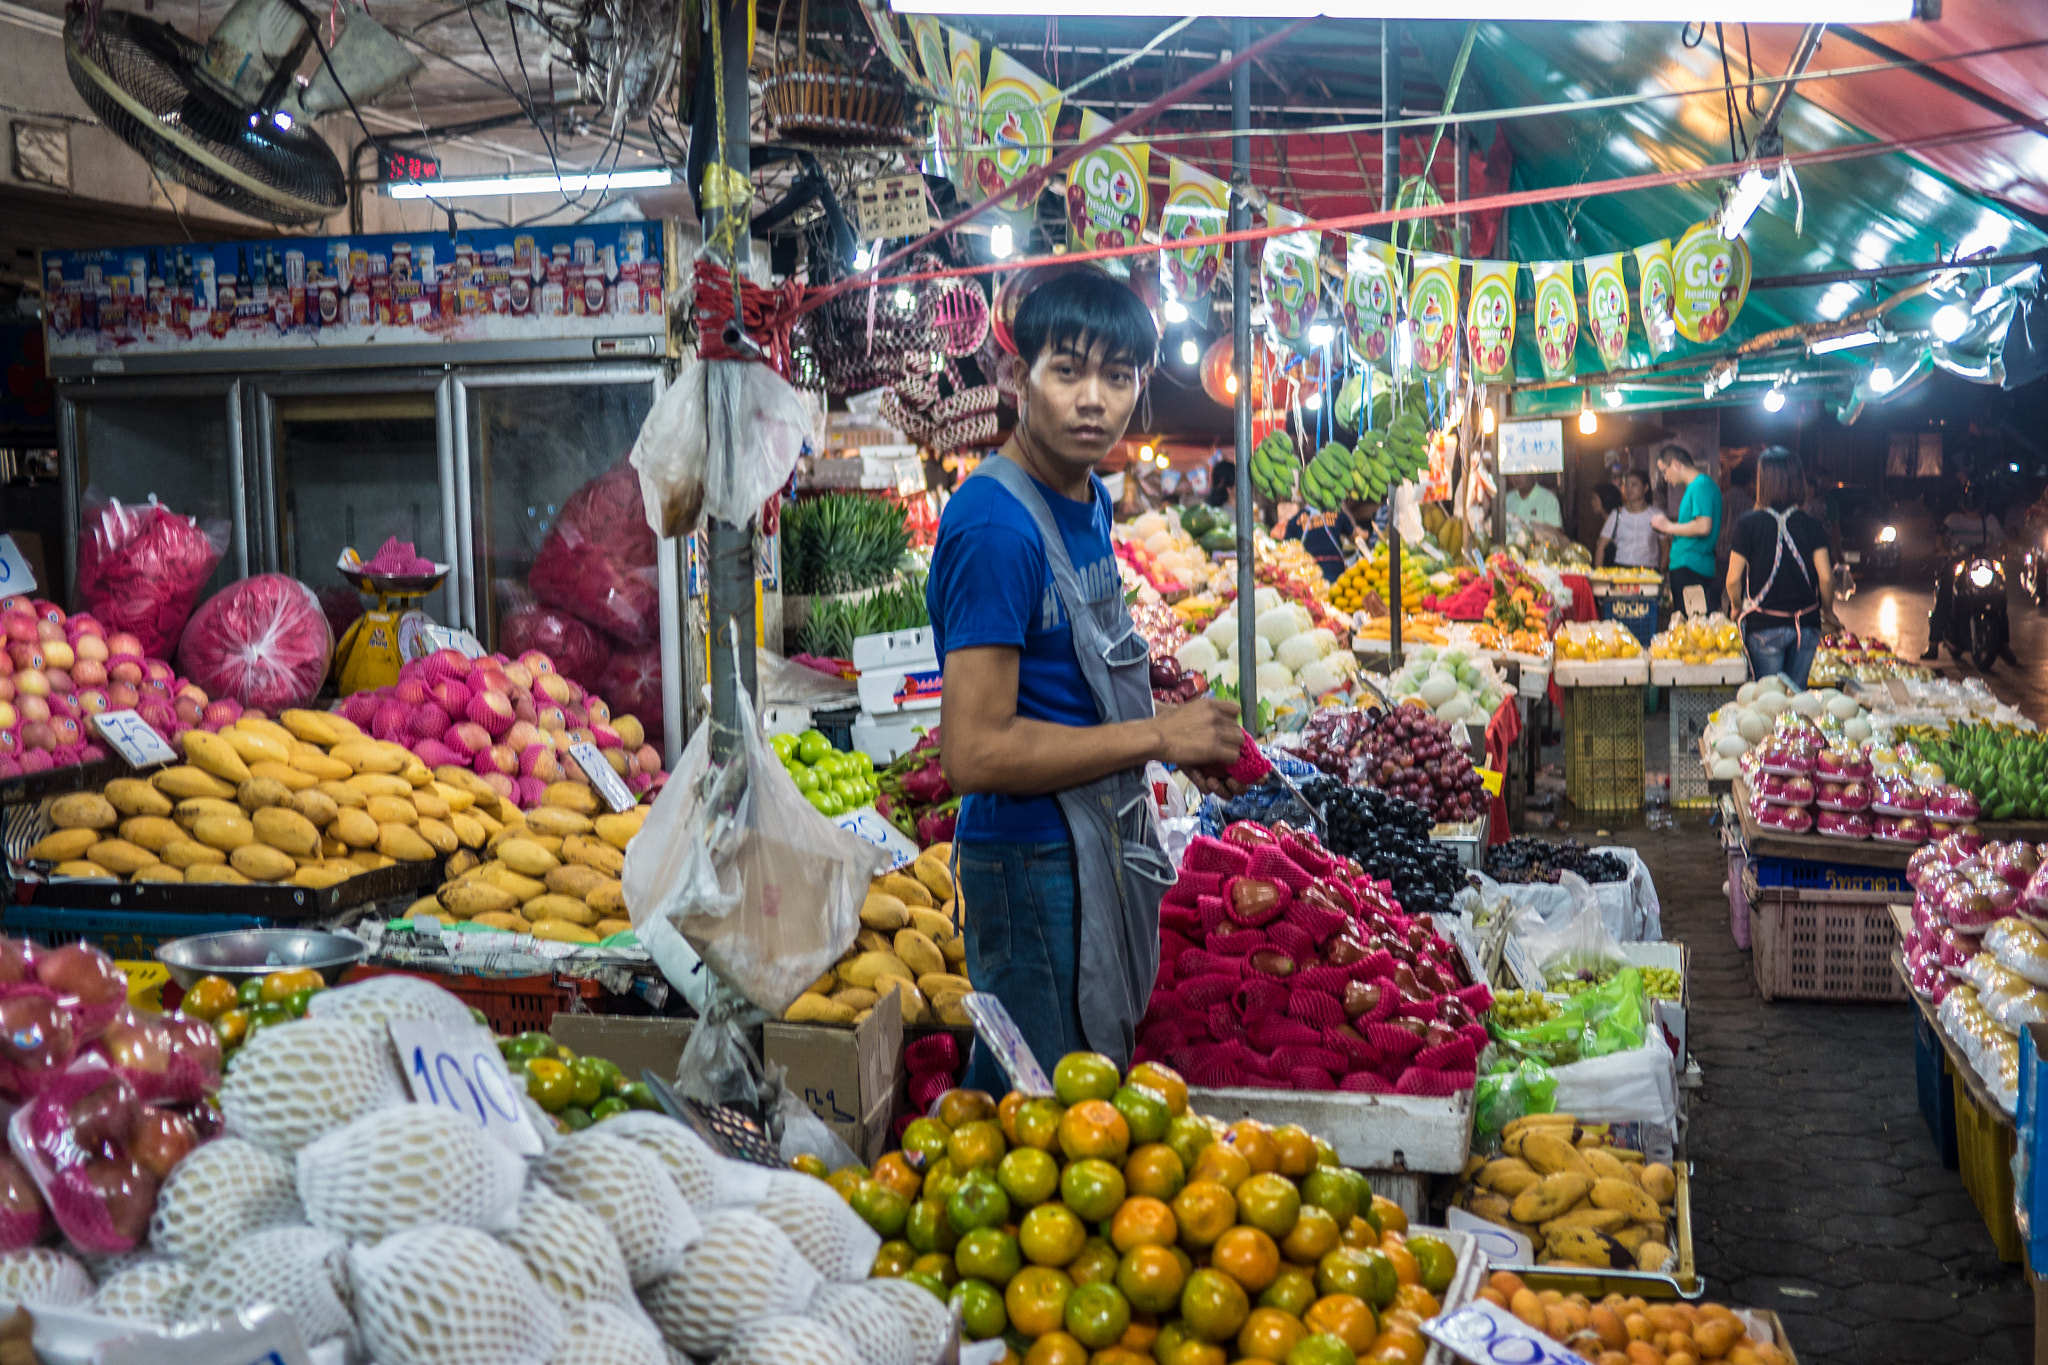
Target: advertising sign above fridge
{"x":592,"y":288}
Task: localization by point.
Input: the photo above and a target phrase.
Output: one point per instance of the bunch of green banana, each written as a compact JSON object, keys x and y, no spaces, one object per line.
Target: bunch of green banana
{"x":1274,"y":465}
{"x":1329,"y":478}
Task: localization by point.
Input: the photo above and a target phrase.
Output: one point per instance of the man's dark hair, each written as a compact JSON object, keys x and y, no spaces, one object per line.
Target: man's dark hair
{"x":1223,"y":483}
{"x":1677,"y":452}
{"x":1638,"y":474}
{"x":1085,"y":310}
{"x":1780,"y":482}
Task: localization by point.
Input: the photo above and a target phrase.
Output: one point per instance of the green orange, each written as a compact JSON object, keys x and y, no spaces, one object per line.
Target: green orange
{"x":882,"y":1208}
{"x":1205,"y":1212}
{"x":979,"y":1203}
{"x":1213,"y":1305}
{"x":893,"y":1259}
{"x":1437,"y":1261}
{"x":926,"y":1141}
{"x":1051,"y":1235}
{"x":1292,"y":1290}
{"x":958,"y":1108}
{"x":976,"y":1144}
{"x":981,"y":1309}
{"x":1095,"y":1265}
{"x":1154,"y":1169}
{"x":1166,"y":1081}
{"x":928,"y":1229}
{"x":1330,"y":1187}
{"x":1188,"y":1134}
{"x":209,"y":998}
{"x":1036,"y":1299}
{"x":1092,"y":1188}
{"x":1097,"y":1315}
{"x":1037,"y":1123}
{"x":1084,"y":1076}
{"x":1145,"y":1110}
{"x":1151,"y":1277}
{"x":988,"y":1254}
{"x":1269,"y":1334}
{"x":1315,"y":1235}
{"x":1028,"y":1175}
{"x":1322,"y":1349}
{"x":939,"y":1266}
{"x":1269,"y":1203}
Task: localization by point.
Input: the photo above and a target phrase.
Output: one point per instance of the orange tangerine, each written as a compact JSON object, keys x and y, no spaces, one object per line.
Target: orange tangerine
{"x":1247,"y":1256}
{"x":1154,"y":1169}
{"x":1056,"y":1348}
{"x":1006,"y":1114}
{"x":1296,"y":1149}
{"x":1205,"y":1211}
{"x":1255,"y":1141}
{"x":1165,"y":1080}
{"x":1392,"y":1218}
{"x":1093,"y":1128}
{"x":1143,"y":1221}
{"x":960,"y":1107}
{"x":1036,"y":1300}
{"x":1221,"y":1165}
{"x":1398,"y":1345}
{"x":1269,"y":1334}
{"x":1413,"y":1298}
{"x":1407,"y":1270}
{"x":1314,"y":1236}
{"x":1151,"y":1278}
{"x":1051,"y":1235}
{"x":893,"y":1171}
{"x":1345,"y":1316}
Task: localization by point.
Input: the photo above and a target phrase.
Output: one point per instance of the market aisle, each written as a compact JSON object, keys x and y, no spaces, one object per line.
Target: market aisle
{"x":1818,"y":1192}
{"x":1897,"y":614}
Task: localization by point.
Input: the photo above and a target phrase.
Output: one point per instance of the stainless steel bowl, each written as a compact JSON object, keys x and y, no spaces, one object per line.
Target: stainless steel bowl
{"x":258,"y":952}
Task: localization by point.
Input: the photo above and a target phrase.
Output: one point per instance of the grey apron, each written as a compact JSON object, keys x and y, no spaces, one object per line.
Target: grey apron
{"x":1121,"y":871}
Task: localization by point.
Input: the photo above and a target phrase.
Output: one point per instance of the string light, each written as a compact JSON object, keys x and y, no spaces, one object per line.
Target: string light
{"x":1176,"y":312}
{"x":1774,"y":401}
{"x":1882,"y":379}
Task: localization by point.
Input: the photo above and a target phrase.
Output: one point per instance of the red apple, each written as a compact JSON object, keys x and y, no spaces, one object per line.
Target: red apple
{"x":160,"y":1140}
{"x":121,"y":642}
{"x":83,"y":972}
{"x":35,"y":1034}
{"x":128,"y":1192}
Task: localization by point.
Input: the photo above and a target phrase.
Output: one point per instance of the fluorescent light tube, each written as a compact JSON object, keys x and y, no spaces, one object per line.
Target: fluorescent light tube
{"x":1744,"y":202}
{"x":1849,"y":341}
{"x":529,"y":184}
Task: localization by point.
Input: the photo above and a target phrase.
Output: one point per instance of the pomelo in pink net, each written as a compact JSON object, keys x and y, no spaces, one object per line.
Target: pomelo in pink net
{"x":598,"y":559}
{"x":263,"y":641}
{"x":576,"y":649}
{"x":142,"y":566}
{"x":632,"y":684}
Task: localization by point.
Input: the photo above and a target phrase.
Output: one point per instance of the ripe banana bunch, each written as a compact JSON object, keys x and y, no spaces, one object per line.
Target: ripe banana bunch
{"x":1579,"y":1201}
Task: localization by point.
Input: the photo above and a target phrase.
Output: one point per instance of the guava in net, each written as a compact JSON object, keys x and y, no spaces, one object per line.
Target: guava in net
{"x":627,"y":1187}
{"x":568,"y":1248}
{"x":407,"y":1165}
{"x":298,"y":1081}
{"x":148,"y":1289}
{"x":787,"y":1340}
{"x":221,"y":1192}
{"x":445,"y":1295}
{"x":868,"y":1322}
{"x":742,"y":1268}
{"x":301,"y":1271}
{"x":604,"y":1334}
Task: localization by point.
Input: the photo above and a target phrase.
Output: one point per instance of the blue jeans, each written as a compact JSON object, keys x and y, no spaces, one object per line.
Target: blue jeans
{"x":1023,"y":947}
{"x":1786,"y":649}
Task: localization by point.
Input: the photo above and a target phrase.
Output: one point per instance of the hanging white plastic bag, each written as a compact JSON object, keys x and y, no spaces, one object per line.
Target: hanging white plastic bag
{"x":765,"y":889}
{"x":768,"y":425}
{"x":669,"y":454}
{"x":1581,"y":946}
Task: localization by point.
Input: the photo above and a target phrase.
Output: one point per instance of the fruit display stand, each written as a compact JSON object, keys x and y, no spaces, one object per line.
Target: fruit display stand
{"x":1603,"y":729}
{"x":1681,"y":1281}
{"x":1398,"y":1141}
{"x":1820,"y":930}
{"x":29,"y":788}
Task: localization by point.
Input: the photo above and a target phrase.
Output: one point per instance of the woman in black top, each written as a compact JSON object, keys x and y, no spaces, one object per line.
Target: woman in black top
{"x":1779,"y":579}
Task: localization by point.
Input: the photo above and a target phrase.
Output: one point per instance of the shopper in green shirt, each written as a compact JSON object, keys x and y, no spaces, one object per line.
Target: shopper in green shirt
{"x":1697,"y":531}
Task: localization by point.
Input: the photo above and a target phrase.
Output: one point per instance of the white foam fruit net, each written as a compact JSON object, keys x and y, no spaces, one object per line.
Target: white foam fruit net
{"x":625,"y":1185}
{"x":407,"y":1165}
{"x":787,"y":1341}
{"x":376,"y":1002}
{"x":39,"y":1275}
{"x":929,"y":1321}
{"x":692,"y":1164}
{"x":221,"y":1192}
{"x":300,"y":1271}
{"x":820,"y":1224}
{"x":568,"y":1248}
{"x":742,"y":1268}
{"x":296,"y":1082}
{"x":604,"y":1334}
{"x":867,"y":1322}
{"x":445,"y":1295}
{"x":150,"y":1289}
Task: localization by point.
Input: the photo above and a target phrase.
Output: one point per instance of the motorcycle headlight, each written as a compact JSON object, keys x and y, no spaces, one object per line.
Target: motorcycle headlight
{"x":1982,"y":574}
{"x":1889,"y":535}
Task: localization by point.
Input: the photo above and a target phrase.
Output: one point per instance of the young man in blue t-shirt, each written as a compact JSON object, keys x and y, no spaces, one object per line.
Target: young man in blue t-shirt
{"x":1019,"y":720}
{"x":1696,"y":534}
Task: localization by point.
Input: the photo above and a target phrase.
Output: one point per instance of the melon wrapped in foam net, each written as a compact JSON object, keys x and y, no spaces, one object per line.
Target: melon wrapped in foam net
{"x":821,"y":1225}
{"x":223,"y":1191}
{"x":39,"y":1275}
{"x":296,"y":1082}
{"x":376,"y":1002}
{"x":866,"y":1321}
{"x":788,"y":1341}
{"x":929,"y":1321}
{"x":627,"y":1186}
{"x":405,"y":1166}
{"x":148,"y":1289}
{"x":604,"y":1334}
{"x":445,"y":1295}
{"x":568,"y":1248}
{"x":696,"y":1169}
{"x":301,"y":1271}
{"x":740,"y":1269}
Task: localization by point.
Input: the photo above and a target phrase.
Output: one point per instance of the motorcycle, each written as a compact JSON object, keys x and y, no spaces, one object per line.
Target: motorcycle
{"x":1978,"y":628}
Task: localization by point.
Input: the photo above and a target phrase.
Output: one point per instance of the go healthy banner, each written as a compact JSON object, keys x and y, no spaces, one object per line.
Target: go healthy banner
{"x":1557,"y":317}
{"x":1710,"y":276}
{"x":1607,"y":309}
{"x":1018,"y":110}
{"x":1108,"y":200}
{"x":1372,"y":292}
{"x":1490,"y":319}
{"x":1433,"y":310}
{"x":964,"y":117}
{"x":1289,"y":269}
{"x":1653,"y":295}
{"x":1197,"y":205}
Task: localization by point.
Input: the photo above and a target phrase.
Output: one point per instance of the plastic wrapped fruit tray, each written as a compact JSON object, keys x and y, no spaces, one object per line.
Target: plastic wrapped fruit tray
{"x":1719,"y":673}
{"x":1370,"y":1132}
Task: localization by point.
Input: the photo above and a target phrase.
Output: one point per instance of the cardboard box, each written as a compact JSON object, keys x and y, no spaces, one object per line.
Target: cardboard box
{"x":631,"y":1043}
{"x":849,"y":1077}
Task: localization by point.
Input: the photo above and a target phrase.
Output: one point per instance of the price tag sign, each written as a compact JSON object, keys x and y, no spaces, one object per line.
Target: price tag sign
{"x":14,"y":571}
{"x":998,"y":1031}
{"x":134,"y":738}
{"x":1503,"y":1246}
{"x":447,"y":637}
{"x":1490,"y":779}
{"x":462,"y":1071}
{"x":610,"y":786}
{"x":867,"y":823}
{"x":1487,"y":1335}
{"x":1695,"y":601}
{"x":1521,"y":965}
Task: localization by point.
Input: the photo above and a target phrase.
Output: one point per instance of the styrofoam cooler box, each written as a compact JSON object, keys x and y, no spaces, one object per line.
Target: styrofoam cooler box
{"x":1670,"y":1013}
{"x":887,"y":738}
{"x":899,"y":671}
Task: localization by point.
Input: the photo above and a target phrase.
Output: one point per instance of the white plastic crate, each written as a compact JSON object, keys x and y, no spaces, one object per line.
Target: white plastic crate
{"x":895,"y":649}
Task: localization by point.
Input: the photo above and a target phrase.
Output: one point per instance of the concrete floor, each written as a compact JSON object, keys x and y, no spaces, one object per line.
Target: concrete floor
{"x":1817,"y":1192}
{"x":1897,"y":614}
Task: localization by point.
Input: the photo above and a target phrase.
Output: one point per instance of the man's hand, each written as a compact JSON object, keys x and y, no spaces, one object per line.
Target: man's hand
{"x":1204,"y":731}
{"x":1662,"y":524}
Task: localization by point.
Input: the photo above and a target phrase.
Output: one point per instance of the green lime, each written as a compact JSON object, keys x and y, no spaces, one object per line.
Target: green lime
{"x":577,"y":1117}
{"x":812,"y":745}
{"x":981,"y":1309}
{"x":638,"y":1095}
{"x":606,"y":1107}
{"x":250,"y":992}
{"x":783,"y":745}
{"x":929,"y":1281}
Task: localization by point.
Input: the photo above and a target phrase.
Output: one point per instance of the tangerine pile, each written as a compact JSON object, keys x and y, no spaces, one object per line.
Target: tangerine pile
{"x":1108,"y":1224}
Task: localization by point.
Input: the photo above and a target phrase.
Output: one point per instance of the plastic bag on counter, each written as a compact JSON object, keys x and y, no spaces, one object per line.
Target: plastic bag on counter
{"x":597,"y":562}
{"x":668,"y":455}
{"x":1638,"y":1086}
{"x":1617,"y":1013}
{"x":263,"y":642}
{"x":764,"y":888}
{"x":1580,"y":947}
{"x":141,"y":567}
{"x":579,"y":651}
{"x":1508,"y":1088}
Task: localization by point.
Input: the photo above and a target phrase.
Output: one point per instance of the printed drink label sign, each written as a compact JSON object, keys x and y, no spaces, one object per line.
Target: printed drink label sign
{"x":1197,"y":205}
{"x":1288,"y":270}
{"x":1108,"y":200}
{"x":1490,"y":319}
{"x":1557,"y":317}
{"x":1433,"y":310}
{"x":1710,"y":280}
{"x":1018,"y":110}
{"x":1653,"y":295}
{"x":1607,"y":309}
{"x":964,"y":117}
{"x":1372,"y":286}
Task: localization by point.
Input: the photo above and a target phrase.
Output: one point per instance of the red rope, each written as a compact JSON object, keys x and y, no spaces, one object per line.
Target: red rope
{"x":767,"y":315}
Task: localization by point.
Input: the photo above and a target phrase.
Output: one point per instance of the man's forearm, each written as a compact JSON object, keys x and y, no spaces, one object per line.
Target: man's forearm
{"x":1020,"y":757}
{"x":1698,"y":526}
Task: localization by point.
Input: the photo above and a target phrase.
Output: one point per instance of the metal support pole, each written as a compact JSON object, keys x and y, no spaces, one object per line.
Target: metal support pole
{"x":1390,"y":189}
{"x":729,"y":561}
{"x":1241,"y":366}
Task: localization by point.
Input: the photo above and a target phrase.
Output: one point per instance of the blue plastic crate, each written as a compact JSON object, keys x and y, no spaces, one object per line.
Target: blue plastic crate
{"x":1806,"y":875}
{"x":1937,"y":1097}
{"x":127,"y":937}
{"x":1637,"y":614}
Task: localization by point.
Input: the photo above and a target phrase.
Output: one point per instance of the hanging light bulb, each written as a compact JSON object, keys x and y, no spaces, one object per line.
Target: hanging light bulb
{"x":1743,"y":202}
{"x":1001,"y":241}
{"x":1175,"y":311}
{"x":864,"y":257}
{"x":904,"y":298}
{"x":1321,"y":334}
{"x":1882,"y":379}
{"x":1145,"y":454}
{"x":1950,"y":322}
{"x":1774,"y":401}
{"x":1190,"y":353}
{"x":1588,"y":423}
{"x":1486,"y":421}
{"x":1314,"y":402}
{"x":1230,"y":383}
{"x":1611,"y":396}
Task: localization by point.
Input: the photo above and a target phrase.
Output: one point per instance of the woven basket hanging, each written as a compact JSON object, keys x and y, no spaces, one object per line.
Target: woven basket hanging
{"x":816,"y":100}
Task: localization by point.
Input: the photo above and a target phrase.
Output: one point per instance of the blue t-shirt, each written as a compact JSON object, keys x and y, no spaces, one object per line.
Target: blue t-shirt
{"x":990,"y":585}
{"x":1702,"y":499}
